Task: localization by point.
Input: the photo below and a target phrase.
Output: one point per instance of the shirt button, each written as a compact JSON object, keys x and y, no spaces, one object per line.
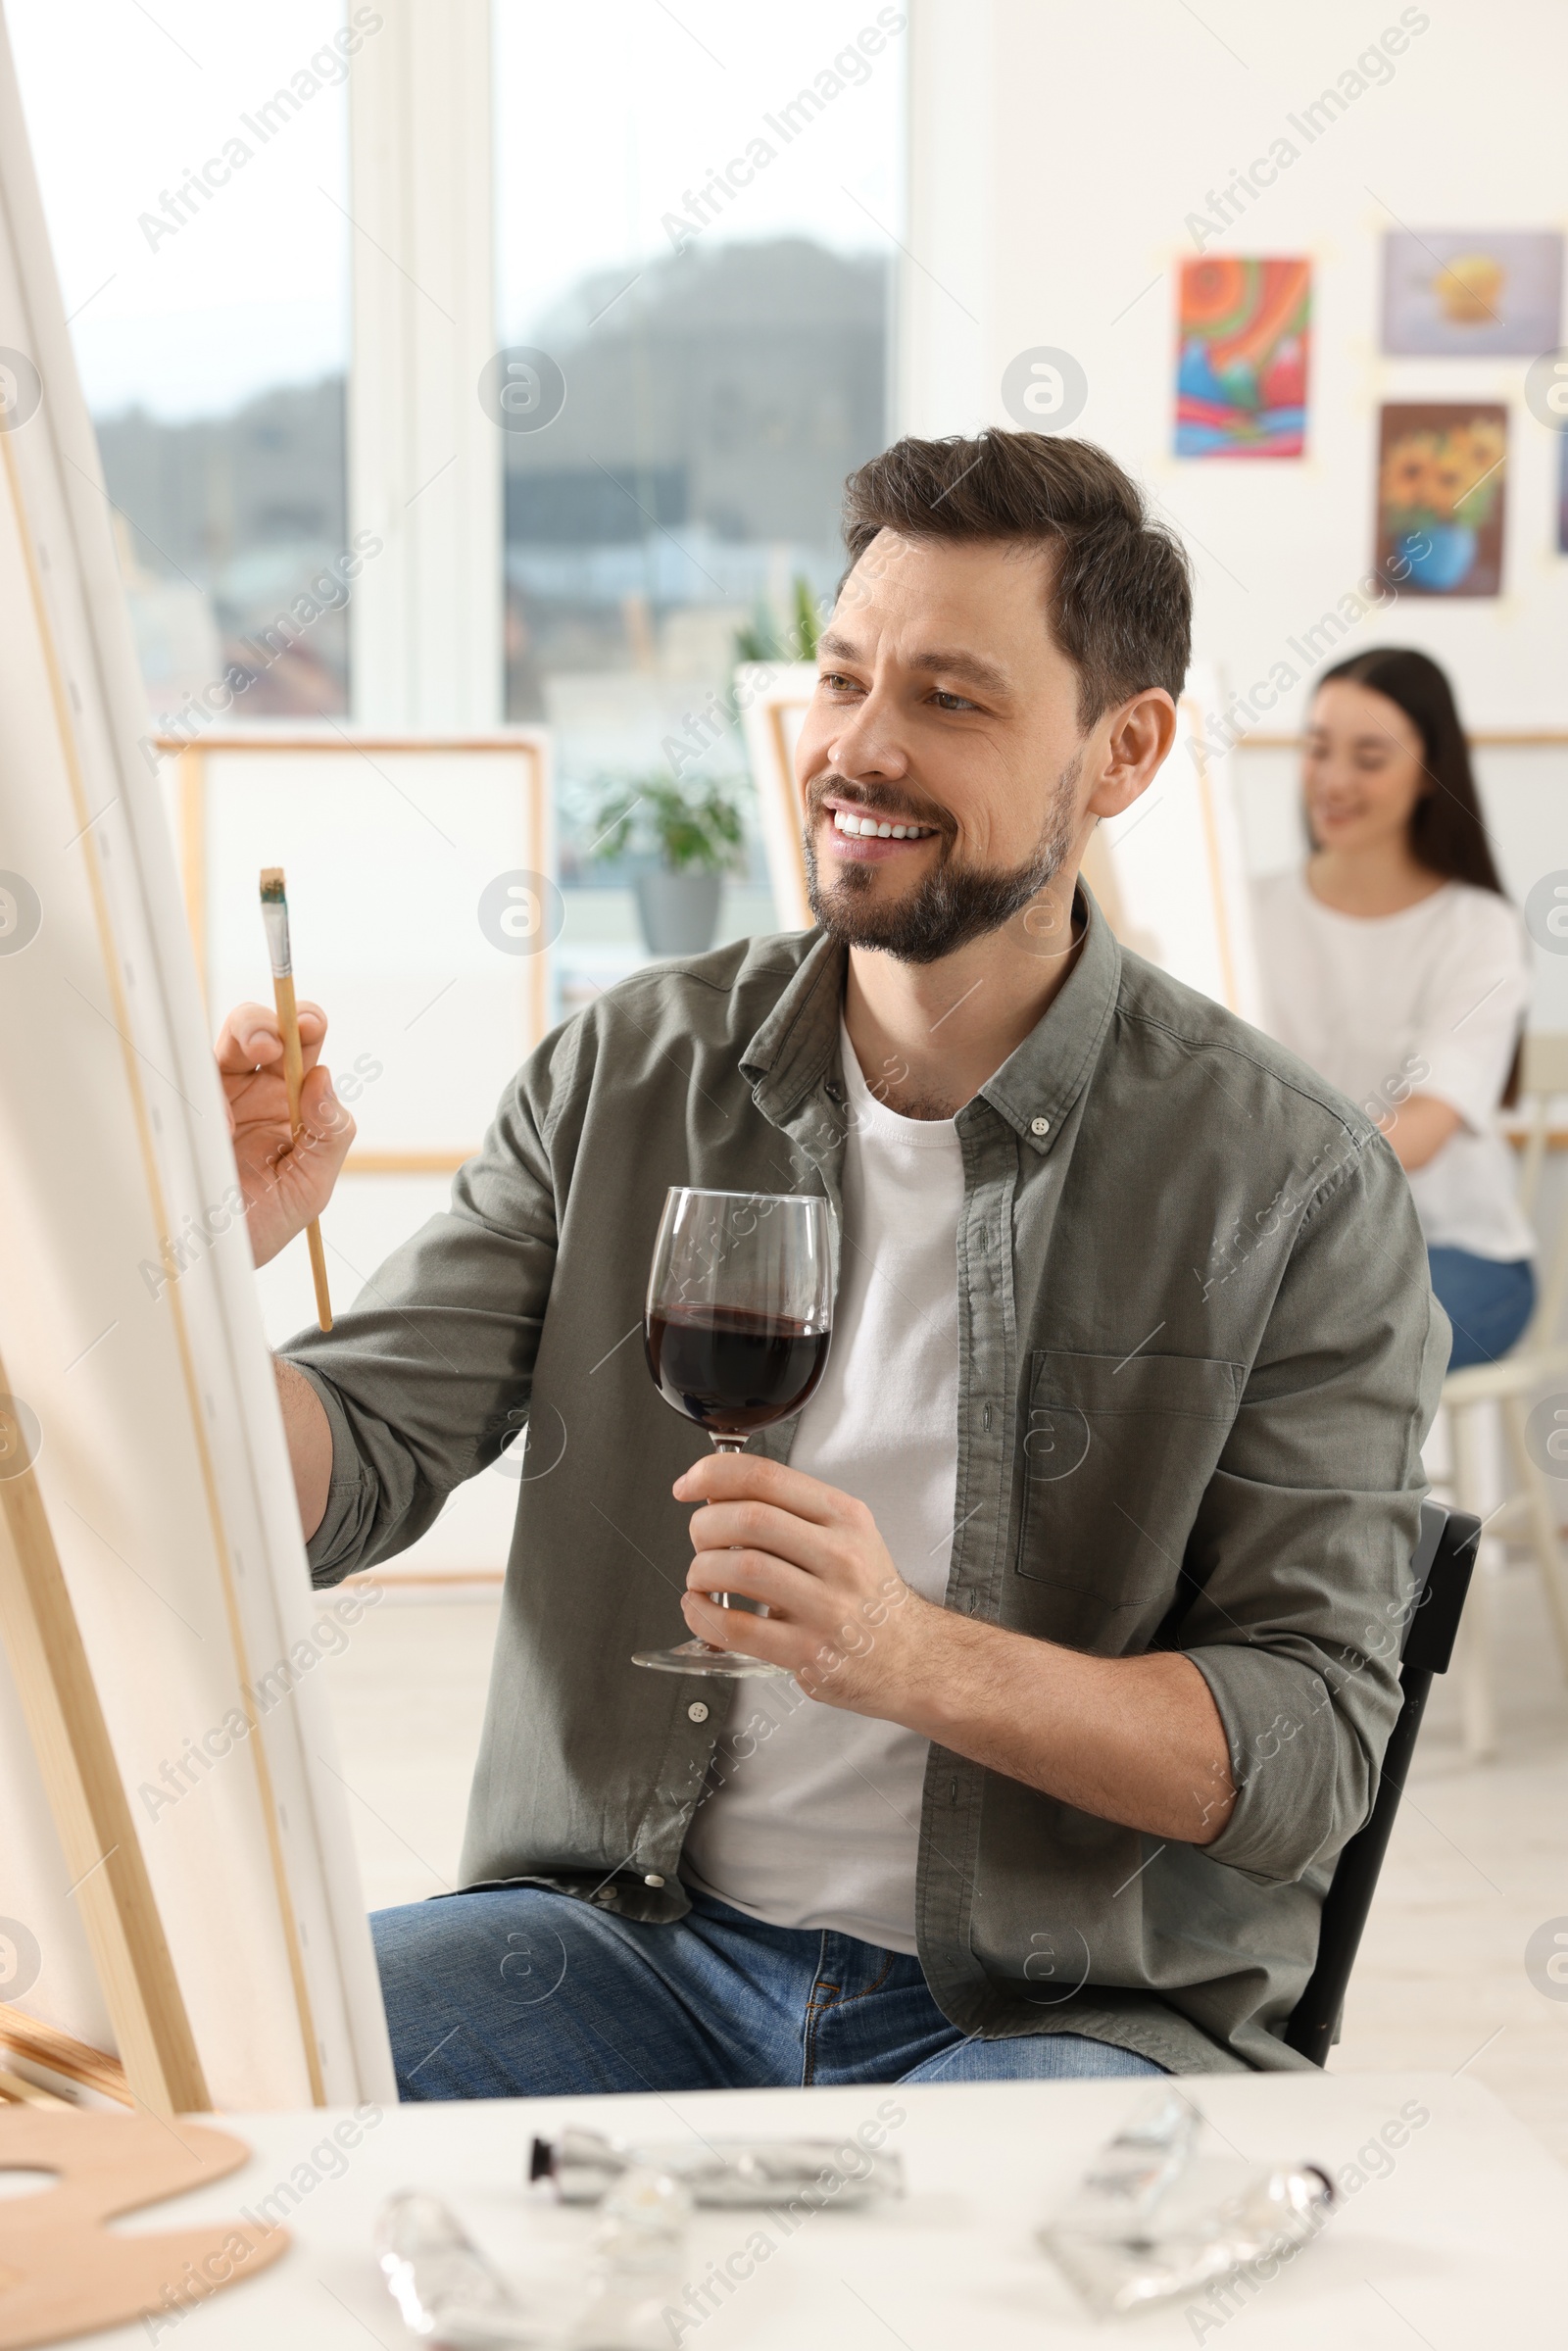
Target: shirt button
{"x":653,"y":1879}
{"x":1039,"y":1126}
{"x":697,"y":1712}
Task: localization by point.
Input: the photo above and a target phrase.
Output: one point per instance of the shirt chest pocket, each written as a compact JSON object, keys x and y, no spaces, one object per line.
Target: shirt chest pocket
{"x":1117,"y":1452}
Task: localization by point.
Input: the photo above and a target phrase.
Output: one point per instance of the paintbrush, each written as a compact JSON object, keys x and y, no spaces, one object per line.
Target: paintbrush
{"x":275,"y":915}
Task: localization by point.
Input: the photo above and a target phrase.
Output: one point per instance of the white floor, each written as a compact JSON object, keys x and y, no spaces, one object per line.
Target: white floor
{"x":1479,"y":1858}
{"x":1479,"y":1861}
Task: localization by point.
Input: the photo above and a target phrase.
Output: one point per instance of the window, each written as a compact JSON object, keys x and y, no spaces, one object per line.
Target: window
{"x":697,"y":215}
{"x":195,"y":185}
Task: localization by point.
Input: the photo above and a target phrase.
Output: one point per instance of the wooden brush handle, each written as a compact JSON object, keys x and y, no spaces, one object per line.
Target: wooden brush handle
{"x":288,"y":1022}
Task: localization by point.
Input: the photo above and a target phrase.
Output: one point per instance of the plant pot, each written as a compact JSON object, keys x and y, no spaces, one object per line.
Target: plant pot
{"x":678,"y":912}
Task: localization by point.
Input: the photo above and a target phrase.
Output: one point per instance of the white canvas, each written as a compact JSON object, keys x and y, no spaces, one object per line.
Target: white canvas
{"x":128,"y":1318}
{"x":388,"y":849}
{"x":772,"y":698}
{"x":1181,"y":895}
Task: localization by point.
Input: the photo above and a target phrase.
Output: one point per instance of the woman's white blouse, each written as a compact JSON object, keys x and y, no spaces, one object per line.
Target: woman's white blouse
{"x":1426,"y":1002}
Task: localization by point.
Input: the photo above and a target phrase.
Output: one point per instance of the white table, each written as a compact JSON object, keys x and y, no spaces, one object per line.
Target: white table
{"x":1458,"y":2246}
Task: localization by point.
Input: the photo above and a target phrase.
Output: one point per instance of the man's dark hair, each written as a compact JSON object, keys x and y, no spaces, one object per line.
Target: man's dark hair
{"x":1121,"y":601}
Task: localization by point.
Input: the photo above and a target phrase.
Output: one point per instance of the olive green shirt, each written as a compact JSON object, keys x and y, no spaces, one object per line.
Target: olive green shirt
{"x":1198,"y":1356}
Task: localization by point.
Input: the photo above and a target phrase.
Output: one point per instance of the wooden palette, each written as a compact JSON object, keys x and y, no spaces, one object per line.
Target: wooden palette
{"x":63,"y":2272}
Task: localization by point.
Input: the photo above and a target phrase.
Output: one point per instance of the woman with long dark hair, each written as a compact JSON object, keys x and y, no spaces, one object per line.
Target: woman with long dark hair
{"x":1395,"y":964}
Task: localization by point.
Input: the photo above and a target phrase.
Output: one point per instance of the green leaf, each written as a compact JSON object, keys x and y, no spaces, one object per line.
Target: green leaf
{"x":807,"y":620}
{"x":689,"y":828}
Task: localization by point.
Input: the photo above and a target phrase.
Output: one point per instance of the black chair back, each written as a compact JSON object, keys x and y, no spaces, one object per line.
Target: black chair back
{"x":1444,"y":1557}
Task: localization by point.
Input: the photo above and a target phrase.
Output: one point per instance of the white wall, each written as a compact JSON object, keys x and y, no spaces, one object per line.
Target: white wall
{"x":1054,"y":153}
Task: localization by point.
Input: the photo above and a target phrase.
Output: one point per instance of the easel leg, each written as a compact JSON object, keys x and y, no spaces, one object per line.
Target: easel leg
{"x":1543,"y":1505}
{"x":92,"y":1816}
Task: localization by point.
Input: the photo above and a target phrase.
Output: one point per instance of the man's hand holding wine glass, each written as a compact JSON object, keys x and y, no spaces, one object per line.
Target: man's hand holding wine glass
{"x":840,"y":1616}
{"x":1101,"y":1732}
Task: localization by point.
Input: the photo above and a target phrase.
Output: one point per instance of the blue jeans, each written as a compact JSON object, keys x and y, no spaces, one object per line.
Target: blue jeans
{"x":1488,"y":1302}
{"x":515,"y":1992}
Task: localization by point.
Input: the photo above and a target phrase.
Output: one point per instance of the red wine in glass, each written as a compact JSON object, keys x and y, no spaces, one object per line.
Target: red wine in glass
{"x":740,"y":1308}
{"x":733,"y":1371}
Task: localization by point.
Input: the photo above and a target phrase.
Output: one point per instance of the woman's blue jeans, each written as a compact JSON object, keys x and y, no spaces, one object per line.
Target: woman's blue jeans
{"x":1488,"y":1303}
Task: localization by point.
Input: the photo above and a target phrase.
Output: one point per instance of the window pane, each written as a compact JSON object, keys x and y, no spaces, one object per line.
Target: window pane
{"x":194,"y":182}
{"x":695,"y":224}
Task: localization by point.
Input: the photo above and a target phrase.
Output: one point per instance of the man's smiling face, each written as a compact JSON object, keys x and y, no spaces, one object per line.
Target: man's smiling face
{"x":940,"y":760}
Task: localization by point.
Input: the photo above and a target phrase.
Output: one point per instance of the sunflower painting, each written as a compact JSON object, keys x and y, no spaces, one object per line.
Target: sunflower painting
{"x":1240,"y":370}
{"x":1441,"y":466}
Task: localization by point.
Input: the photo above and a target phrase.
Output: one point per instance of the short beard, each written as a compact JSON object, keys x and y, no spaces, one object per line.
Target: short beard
{"x":955,"y":904}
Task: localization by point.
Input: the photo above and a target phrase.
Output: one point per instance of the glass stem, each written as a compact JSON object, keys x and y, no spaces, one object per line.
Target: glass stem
{"x":726,"y":1445}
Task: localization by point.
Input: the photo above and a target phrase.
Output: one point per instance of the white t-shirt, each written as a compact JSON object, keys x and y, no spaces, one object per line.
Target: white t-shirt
{"x":818,"y":1821}
{"x":1425,"y":1001}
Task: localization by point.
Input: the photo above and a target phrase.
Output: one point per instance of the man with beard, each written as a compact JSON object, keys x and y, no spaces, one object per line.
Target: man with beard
{"x":1082,"y":1558}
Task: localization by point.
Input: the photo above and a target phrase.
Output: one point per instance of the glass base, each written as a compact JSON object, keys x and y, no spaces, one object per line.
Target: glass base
{"x":701,"y":1657}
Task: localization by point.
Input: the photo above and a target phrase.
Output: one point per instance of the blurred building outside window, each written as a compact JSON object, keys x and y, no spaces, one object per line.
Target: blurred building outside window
{"x":696,"y":219}
{"x":205,"y":272}
{"x":698,"y":229}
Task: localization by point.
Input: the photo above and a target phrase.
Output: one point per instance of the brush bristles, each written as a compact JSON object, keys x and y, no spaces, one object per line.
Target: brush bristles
{"x":274,"y":921}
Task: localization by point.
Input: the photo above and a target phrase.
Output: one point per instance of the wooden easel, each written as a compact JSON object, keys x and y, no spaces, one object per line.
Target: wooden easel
{"x":87,"y":1799}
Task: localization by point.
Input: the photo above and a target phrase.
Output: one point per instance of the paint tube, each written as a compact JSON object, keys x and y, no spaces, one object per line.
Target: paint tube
{"x":584,"y":2164}
{"x":1153,"y":2218}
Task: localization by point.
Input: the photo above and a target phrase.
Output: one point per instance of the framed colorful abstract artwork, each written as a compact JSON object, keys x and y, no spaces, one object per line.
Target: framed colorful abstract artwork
{"x":1451,"y":292}
{"x":1441,"y":467}
{"x":1243,"y":335}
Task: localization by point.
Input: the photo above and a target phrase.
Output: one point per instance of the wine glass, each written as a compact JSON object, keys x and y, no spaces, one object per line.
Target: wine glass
{"x":740,"y":1308}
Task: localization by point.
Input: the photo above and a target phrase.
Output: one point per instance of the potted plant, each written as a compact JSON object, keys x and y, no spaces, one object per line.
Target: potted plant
{"x":697,"y":837}
{"x":761,"y":640}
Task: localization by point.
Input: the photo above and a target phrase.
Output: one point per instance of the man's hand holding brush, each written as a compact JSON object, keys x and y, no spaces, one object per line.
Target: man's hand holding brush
{"x":285,"y":1185}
